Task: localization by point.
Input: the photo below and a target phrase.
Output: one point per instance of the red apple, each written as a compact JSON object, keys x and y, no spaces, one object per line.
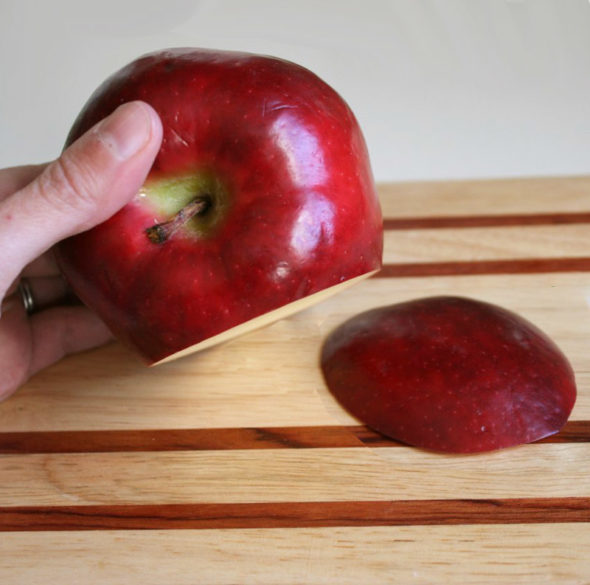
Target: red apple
{"x":260,"y":201}
{"x":450,"y":374}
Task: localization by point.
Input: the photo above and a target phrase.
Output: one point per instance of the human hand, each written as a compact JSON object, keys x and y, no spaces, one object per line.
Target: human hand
{"x":41,"y":205}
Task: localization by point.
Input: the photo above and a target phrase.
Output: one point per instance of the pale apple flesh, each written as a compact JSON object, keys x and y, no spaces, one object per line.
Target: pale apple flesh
{"x":450,"y":374}
{"x":267,"y":318}
{"x":290,"y":202}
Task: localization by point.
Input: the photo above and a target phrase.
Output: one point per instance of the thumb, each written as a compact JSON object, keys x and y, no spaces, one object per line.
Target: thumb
{"x":93,"y":178}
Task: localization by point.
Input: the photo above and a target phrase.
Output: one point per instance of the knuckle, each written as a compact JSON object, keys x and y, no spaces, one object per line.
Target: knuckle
{"x":68,"y":184}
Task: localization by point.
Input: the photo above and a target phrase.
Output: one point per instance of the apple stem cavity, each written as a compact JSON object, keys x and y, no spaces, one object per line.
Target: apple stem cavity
{"x":162,"y":232}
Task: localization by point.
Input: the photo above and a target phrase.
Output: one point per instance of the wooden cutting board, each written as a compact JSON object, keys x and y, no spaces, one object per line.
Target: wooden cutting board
{"x":236,"y":465}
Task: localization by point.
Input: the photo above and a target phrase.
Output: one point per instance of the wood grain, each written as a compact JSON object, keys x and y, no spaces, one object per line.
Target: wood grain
{"x":316,"y":437}
{"x":237,"y":466}
{"x":488,"y":220}
{"x":484,"y":244}
{"x":108,"y":389}
{"x":466,"y":198}
{"x":478,"y":555}
{"x":296,"y":475}
{"x":295,"y":514}
{"x":188,"y":439}
{"x":483,"y":267}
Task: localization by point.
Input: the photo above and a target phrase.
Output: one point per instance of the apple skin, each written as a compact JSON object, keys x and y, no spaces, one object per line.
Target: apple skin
{"x":297,"y":208}
{"x":450,"y":374}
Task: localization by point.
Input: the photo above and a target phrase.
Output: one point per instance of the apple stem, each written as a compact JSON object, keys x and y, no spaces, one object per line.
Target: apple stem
{"x":161,"y":232}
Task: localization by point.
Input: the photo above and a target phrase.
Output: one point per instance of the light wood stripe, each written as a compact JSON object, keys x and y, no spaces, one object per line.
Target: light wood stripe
{"x":296,"y":514}
{"x":254,"y":476}
{"x":518,"y":554}
{"x":317,"y":437}
{"x":518,"y":196}
{"x":482,"y":244}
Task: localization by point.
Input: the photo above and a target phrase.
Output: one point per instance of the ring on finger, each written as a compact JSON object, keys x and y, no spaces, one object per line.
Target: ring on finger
{"x":26,"y":295}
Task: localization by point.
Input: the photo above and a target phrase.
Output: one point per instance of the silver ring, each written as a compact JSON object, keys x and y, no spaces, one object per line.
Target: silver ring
{"x":26,"y":295}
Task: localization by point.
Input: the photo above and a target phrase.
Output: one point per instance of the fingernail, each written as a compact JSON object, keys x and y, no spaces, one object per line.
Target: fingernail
{"x":127,"y":130}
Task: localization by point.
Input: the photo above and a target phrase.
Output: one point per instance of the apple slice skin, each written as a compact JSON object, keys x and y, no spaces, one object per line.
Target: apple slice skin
{"x":299,"y":209}
{"x":450,"y":374}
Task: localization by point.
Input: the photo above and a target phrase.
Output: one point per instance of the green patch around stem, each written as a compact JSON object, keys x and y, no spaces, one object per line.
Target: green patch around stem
{"x":171,"y":195}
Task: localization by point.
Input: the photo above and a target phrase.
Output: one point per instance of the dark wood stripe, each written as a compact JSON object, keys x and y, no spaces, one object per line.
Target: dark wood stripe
{"x":310,"y":437}
{"x":295,"y":514}
{"x":460,"y":221}
{"x":480,"y":267}
{"x":181,"y":439}
{"x":574,"y":431}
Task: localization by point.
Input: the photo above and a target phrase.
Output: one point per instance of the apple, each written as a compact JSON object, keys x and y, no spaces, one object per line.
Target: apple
{"x":261,"y":201}
{"x":449,"y":374}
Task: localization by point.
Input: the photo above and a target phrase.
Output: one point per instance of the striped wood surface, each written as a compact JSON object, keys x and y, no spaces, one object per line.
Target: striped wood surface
{"x":237,"y":466}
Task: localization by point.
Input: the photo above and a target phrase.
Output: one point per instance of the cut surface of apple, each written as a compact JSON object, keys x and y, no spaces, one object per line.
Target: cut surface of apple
{"x":261,"y":197}
{"x":450,"y":374}
{"x":267,"y":318}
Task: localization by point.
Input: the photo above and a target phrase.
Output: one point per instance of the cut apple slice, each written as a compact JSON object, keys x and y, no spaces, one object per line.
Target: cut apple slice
{"x":450,"y":374}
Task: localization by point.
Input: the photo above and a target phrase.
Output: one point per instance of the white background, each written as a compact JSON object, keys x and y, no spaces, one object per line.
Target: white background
{"x":442,"y":88}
